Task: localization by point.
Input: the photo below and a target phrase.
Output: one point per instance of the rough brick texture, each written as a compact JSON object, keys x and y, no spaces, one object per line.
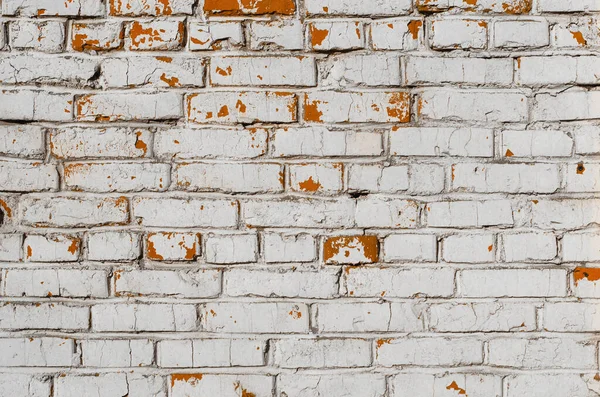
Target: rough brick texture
{"x":299,"y":198}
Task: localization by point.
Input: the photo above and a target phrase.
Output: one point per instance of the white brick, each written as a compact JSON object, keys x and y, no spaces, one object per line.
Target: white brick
{"x":465,"y":105}
{"x":565,"y":106}
{"x":571,"y":317}
{"x":64,"y":211}
{"x":386,"y":213}
{"x":453,"y":33}
{"x":402,"y":283}
{"x":155,"y":35}
{"x":357,"y":7}
{"x":482,"y":317}
{"x":461,"y":142}
{"x":27,"y":176}
{"x":228,"y":352}
{"x":116,"y":177}
{"x":527,"y":247}
{"x":174,"y":212}
{"x":159,"y":71}
{"x":197,"y":385}
{"x":369,"y":317}
{"x":215,"y":36}
{"x":546,"y":70}
{"x":321,"y":142}
{"x":116,"y":353}
{"x":475,"y":248}
{"x":469,"y":213}
{"x":123,"y":246}
{"x":426,"y":351}
{"x":51,"y":248}
{"x":10,"y":247}
{"x":184,"y":284}
{"x":143,"y":317}
{"x":483,"y":6}
{"x":22,"y":141}
{"x":29,"y":105}
{"x":56,"y":283}
{"x":582,"y":177}
{"x":280,"y":34}
{"x":427,"y":179}
{"x":587,"y":139}
{"x":426,"y":70}
{"x":109,"y":384}
{"x":543,"y":70}
{"x":513,"y":283}
{"x":174,"y":353}
{"x":336,"y":35}
{"x":571,"y":6}
{"x":397,"y":34}
{"x":565,"y":214}
{"x":51,"y":8}
{"x":234,"y":248}
{"x":210,"y":143}
{"x":53,"y":316}
{"x":37,"y":352}
{"x":356,"y":107}
{"x":378,"y":178}
{"x":211,"y":353}
{"x":581,"y":247}
{"x":509,"y":178}
{"x":429,"y":385}
{"x":288,"y":247}
{"x":235,"y":177}
{"x":280,"y":283}
{"x":536,"y":143}
{"x":521,"y":33}
{"x":542,"y":385}
{"x":322,"y":353}
{"x":315,"y":178}
{"x":347,"y":385}
{"x":129,"y":107}
{"x":29,"y":68}
{"x":410,"y":247}
{"x":45,"y":36}
{"x":97,"y":36}
{"x":263,"y":71}
{"x":257,"y":317}
{"x":224,"y":107}
{"x":172,"y":246}
{"x":359,"y":70}
{"x":299,"y":213}
{"x":541,"y":353}
{"x":576,"y":32}
{"x":21,"y":385}
{"x":150,"y":7}
{"x":112,"y":142}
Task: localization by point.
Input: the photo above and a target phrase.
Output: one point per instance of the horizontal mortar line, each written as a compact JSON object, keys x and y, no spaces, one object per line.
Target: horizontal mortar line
{"x":274,"y":371}
{"x":371,"y":335}
{"x":277,"y":267}
{"x":449,"y":196}
{"x":373,"y":299}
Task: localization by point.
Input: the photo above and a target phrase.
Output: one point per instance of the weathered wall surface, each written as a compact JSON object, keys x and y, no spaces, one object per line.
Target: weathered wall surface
{"x":299,"y":198}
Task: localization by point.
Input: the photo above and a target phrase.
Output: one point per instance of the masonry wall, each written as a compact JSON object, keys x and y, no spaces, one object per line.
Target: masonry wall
{"x":299,"y":198}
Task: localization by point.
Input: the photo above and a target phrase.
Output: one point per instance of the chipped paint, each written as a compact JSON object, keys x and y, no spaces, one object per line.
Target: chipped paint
{"x":351,"y":249}
{"x":590,"y":274}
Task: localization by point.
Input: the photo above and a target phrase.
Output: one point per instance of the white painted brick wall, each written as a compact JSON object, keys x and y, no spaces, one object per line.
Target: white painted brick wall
{"x":299,"y":198}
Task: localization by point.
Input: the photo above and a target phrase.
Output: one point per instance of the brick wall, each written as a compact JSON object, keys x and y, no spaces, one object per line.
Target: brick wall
{"x":299,"y":198}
